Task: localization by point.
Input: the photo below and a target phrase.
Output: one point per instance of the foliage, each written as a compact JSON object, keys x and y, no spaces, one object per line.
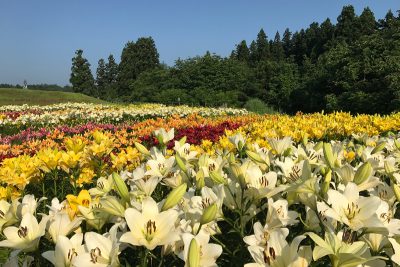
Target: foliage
{"x":258,"y":106}
{"x":352,"y":65}
{"x":81,"y":77}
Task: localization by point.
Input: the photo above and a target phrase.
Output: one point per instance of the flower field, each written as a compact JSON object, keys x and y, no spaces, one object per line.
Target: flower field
{"x":152,"y":185}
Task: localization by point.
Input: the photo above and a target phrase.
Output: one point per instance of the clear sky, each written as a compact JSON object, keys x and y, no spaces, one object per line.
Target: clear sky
{"x":38,"y":38}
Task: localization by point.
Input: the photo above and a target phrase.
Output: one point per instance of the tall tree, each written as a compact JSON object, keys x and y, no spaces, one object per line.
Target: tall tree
{"x":111,"y":78}
{"x":263,"y":52}
{"x":81,"y":77}
{"x":253,"y":53}
{"x":347,"y":27}
{"x":287,"y":42}
{"x":242,"y":52}
{"x":136,"y":58}
{"x":277,"y":51}
{"x":101,"y":78}
{"x":367,"y":22}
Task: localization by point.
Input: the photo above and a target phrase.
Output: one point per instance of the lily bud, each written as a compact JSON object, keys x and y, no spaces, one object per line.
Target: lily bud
{"x":326,"y":183}
{"x":142,"y":149}
{"x":194,"y":254}
{"x":378,"y":148}
{"x":397,"y":143}
{"x":388,"y":167}
{"x":174,"y":197}
{"x":396,"y":190}
{"x":217,"y":177}
{"x":304,"y":139}
{"x":112,"y":205}
{"x":209,"y":214}
{"x":318,"y":146}
{"x":182,"y":141}
{"x":121,"y":187}
{"x":254,"y":156}
{"x":237,"y":173}
{"x":328,"y":154}
{"x":200,"y":183}
{"x":363,"y":173}
{"x":180,"y":163}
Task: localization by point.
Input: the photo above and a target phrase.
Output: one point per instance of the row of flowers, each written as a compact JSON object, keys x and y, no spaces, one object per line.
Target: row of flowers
{"x":78,"y":113}
{"x":256,"y":128}
{"x":30,"y":141}
{"x":289,"y":204}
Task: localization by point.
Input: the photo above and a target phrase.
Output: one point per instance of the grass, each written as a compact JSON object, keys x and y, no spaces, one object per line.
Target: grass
{"x":11,"y":96}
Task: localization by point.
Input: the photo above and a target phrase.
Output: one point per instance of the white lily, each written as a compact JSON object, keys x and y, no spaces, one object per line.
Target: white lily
{"x":278,"y":253}
{"x":396,"y":247}
{"x":62,"y":225}
{"x":238,"y":140}
{"x":100,"y":250}
{"x":279,"y":146}
{"x":208,"y":252}
{"x":144,"y":182}
{"x":26,"y":237}
{"x":184,"y":151}
{"x":340,"y":252}
{"x":103,"y":186}
{"x":6,"y":215}
{"x":66,"y":250}
{"x":279,"y":215}
{"x":351,"y":209}
{"x":150,"y":228}
{"x":262,"y":234}
{"x":163,"y":136}
{"x":159,"y":166}
{"x":386,"y":215}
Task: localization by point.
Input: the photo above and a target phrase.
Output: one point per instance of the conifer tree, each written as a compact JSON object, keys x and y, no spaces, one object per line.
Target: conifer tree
{"x":81,"y":77}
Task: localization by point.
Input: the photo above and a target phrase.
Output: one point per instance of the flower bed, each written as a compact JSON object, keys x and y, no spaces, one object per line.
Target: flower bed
{"x":273,"y":190}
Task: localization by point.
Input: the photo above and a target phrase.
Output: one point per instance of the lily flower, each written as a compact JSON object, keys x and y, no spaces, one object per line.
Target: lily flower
{"x":100,"y":250}
{"x":208,"y":252}
{"x":396,"y":247}
{"x":150,"y":228}
{"x":351,"y":209}
{"x":62,"y":225}
{"x":279,"y":146}
{"x":83,"y":199}
{"x":6,"y":214}
{"x":66,"y":251}
{"x":341,"y":253}
{"x":25,"y":237}
{"x":279,"y":215}
{"x":278,"y":253}
{"x":262,"y":234}
{"x":163,"y":136}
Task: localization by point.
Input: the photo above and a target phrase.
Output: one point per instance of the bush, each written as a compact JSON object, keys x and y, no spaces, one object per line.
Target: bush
{"x":258,"y":106}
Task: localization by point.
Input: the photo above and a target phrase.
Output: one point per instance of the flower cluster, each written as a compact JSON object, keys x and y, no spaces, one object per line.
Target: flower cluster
{"x":78,"y":113}
{"x":288,"y":203}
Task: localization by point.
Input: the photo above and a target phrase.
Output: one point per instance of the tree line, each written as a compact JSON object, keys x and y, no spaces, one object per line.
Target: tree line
{"x":353,"y":65}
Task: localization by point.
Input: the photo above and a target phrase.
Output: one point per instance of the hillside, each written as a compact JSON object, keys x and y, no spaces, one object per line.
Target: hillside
{"x":11,"y":96}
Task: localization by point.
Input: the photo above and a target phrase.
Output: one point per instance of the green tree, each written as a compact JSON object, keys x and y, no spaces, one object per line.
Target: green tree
{"x":253,"y":53}
{"x":135,"y":59}
{"x":287,"y":42}
{"x":277,"y":51}
{"x":81,"y":77}
{"x":242,"y":52}
{"x":368,"y":24}
{"x":101,"y":78}
{"x":347,"y":27}
{"x":262,"y":46}
{"x":111,"y":78}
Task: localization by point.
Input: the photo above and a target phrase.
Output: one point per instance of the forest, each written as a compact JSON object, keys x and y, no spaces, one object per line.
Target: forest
{"x":352,"y":65}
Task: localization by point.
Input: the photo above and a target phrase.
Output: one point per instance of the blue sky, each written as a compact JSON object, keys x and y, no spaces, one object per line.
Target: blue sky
{"x":39,"y":38}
